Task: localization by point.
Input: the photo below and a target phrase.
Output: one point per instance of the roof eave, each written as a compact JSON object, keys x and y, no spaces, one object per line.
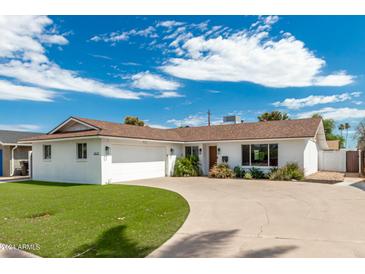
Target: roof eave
{"x":70,"y":119}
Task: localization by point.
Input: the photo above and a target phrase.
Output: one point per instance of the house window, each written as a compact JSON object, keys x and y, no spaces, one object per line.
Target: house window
{"x":245,"y":155}
{"x":273,"y":154}
{"x":192,"y":151}
{"x":82,"y":151}
{"x":47,"y":152}
{"x":260,"y":155}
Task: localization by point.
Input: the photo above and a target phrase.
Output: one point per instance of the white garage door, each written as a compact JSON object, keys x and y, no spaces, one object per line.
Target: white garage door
{"x":131,"y":162}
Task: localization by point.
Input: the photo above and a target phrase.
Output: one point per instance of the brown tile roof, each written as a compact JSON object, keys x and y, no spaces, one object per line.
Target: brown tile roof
{"x":244,"y":131}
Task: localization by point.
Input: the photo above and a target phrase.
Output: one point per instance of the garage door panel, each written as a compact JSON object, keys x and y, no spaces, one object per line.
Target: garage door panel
{"x":136,"y":171}
{"x":135,"y":154}
{"x":137,"y":162}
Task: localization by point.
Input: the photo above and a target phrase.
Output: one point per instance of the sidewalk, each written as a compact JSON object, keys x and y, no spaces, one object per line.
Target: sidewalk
{"x":358,"y":182}
{"x":14,"y":179}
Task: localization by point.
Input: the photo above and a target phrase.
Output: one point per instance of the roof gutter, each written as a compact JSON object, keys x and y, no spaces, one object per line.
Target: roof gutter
{"x":165,"y":141}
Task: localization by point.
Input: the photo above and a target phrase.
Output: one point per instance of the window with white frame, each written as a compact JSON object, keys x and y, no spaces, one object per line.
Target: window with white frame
{"x":191,"y":151}
{"x":260,"y":155}
{"x":47,"y":152}
{"x":81,"y":151}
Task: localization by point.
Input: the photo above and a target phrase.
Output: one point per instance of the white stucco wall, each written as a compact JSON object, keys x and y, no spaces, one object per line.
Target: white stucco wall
{"x":310,"y":157}
{"x":332,"y":160}
{"x":64,"y":166}
{"x":288,"y":151}
{"x":178,"y":151}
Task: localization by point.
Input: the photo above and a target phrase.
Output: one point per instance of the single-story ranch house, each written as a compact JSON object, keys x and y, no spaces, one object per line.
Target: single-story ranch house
{"x":98,"y":152}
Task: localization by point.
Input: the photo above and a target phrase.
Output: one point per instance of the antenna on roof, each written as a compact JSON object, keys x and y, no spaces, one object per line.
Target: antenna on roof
{"x":209,"y":117}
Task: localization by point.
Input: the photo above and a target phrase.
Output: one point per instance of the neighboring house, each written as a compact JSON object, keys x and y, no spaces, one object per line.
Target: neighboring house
{"x":14,"y":156}
{"x":90,"y":151}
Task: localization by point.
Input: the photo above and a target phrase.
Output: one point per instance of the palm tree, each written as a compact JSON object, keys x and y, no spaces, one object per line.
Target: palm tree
{"x":347,"y":126}
{"x":341,"y":128}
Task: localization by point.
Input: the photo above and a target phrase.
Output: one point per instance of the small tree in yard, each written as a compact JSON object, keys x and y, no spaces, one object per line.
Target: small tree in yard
{"x":273,"y":116}
{"x":133,"y":120}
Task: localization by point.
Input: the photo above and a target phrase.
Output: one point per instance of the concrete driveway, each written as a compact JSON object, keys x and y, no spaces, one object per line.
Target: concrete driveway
{"x":237,"y":218}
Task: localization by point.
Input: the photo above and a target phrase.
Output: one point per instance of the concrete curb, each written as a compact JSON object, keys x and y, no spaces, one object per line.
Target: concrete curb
{"x":16,"y":253}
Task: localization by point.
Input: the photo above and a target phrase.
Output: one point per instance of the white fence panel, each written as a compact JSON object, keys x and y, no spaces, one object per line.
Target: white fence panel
{"x":332,"y":160}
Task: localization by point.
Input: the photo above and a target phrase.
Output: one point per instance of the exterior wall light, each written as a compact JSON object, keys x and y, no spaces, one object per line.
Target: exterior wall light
{"x":171,"y":150}
{"x":219,"y":150}
{"x":107,"y":150}
{"x":200,"y":150}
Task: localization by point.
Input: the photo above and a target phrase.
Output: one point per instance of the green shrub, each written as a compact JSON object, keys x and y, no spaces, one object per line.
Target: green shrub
{"x":290,"y":171}
{"x":187,"y":166}
{"x":239,"y":172}
{"x":247,"y":176}
{"x":257,"y":173}
{"x":221,"y":171}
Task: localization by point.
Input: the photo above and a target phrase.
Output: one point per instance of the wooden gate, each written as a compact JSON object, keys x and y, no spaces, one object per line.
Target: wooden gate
{"x":352,"y":161}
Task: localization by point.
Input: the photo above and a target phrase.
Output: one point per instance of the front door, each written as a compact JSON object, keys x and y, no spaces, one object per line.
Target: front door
{"x":212,"y":156}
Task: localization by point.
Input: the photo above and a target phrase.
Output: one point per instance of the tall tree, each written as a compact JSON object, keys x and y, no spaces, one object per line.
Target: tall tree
{"x":133,"y":120}
{"x":329,"y":126}
{"x":341,"y":128}
{"x":347,"y":126}
{"x":272,"y":116}
{"x":360,"y":135}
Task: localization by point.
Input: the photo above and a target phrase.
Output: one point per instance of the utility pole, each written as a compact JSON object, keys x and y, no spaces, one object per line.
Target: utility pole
{"x":208,"y":117}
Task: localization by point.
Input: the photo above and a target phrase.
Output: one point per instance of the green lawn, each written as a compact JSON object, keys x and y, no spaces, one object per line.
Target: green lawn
{"x":70,"y":220}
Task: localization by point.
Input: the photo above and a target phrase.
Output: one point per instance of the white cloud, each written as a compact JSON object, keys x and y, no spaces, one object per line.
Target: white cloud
{"x":214,"y":91}
{"x":158,"y":126}
{"x":50,"y":75}
{"x":169,"y":24}
{"x":195,"y":120}
{"x":118,"y":36}
{"x":191,"y":120}
{"x":147,"y":80}
{"x":10,"y":92}
{"x":337,"y":79}
{"x":335,"y":113}
{"x":54,"y":39}
{"x":25,"y":60}
{"x":21,"y":33}
{"x":252,"y":56}
{"x":20,"y":127}
{"x":101,"y":56}
{"x":312,"y":100}
{"x":169,"y":94}
{"x":264,"y":23}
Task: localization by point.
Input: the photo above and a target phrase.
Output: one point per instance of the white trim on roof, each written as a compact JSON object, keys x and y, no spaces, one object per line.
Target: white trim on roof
{"x":16,"y":144}
{"x":69,"y":120}
{"x":164,"y":141}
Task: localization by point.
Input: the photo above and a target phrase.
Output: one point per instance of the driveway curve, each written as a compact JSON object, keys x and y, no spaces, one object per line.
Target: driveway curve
{"x":237,"y":218}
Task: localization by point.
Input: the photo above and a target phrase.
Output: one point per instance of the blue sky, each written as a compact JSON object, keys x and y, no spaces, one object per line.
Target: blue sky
{"x":169,"y":70}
